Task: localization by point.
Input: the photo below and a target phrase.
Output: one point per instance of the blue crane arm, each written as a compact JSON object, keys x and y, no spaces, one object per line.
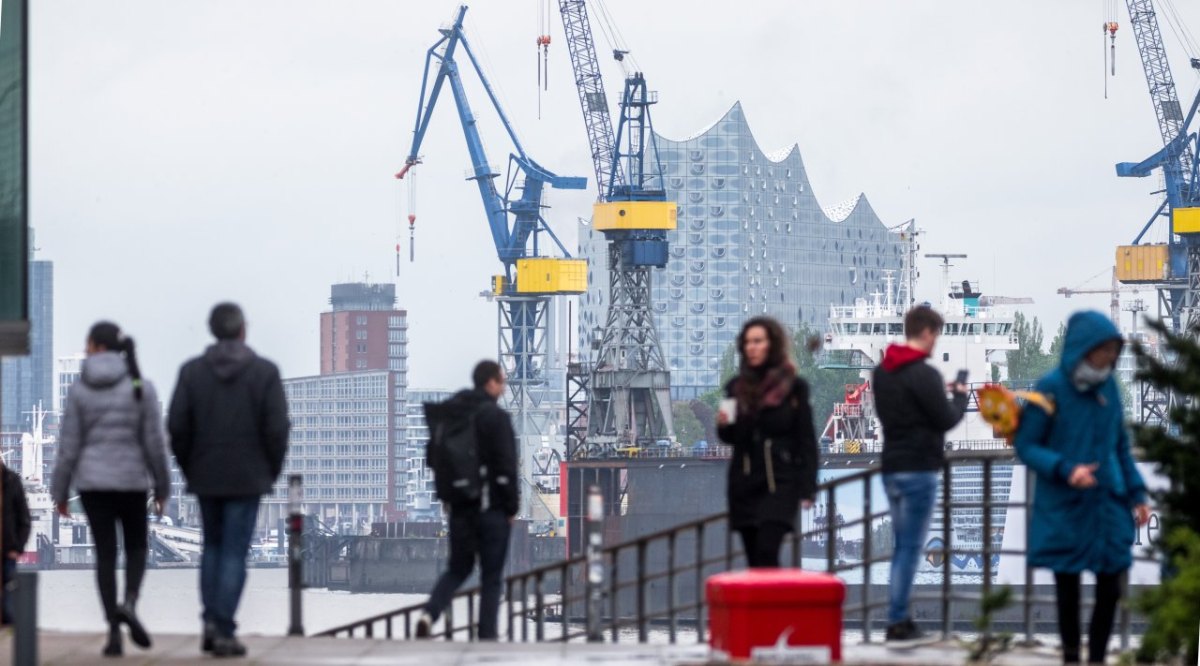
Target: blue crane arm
{"x":1178,"y":159}
{"x":590,"y":86}
{"x":511,"y":243}
{"x":481,"y":171}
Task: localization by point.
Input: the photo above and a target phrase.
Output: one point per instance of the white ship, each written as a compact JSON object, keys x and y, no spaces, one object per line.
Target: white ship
{"x":977,"y":327}
{"x":37,"y":494}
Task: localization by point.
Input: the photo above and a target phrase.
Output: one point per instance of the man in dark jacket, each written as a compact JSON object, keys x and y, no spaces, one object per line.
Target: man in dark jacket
{"x":17,"y":523}
{"x":479,"y":528}
{"x":910,"y":399}
{"x":229,"y":431}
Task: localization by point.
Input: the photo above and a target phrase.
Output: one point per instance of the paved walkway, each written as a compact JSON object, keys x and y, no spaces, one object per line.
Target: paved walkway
{"x":68,"y":648}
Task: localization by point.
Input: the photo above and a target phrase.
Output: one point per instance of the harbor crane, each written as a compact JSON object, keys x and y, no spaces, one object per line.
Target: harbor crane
{"x":1180,"y":256}
{"x":530,"y":278}
{"x":1177,"y":260}
{"x":629,"y":385}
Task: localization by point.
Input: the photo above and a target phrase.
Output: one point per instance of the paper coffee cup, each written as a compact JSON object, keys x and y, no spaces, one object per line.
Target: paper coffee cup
{"x":729,"y":409}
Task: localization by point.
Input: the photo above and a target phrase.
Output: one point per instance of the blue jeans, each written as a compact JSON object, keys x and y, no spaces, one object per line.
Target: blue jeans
{"x":911,"y":496}
{"x":228,"y":525}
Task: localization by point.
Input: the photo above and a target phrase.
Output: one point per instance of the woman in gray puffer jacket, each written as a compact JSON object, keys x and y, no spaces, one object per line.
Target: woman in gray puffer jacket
{"x":112,"y":450}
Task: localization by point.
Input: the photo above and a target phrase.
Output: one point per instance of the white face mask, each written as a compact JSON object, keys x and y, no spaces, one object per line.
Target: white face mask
{"x":1086,"y":377}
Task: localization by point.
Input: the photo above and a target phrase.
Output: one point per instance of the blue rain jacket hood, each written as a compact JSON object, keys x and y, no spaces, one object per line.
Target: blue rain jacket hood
{"x":1085,"y":331}
{"x":1075,"y":529}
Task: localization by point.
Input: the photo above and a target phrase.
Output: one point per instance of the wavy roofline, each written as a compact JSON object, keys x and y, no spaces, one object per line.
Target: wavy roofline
{"x":777,"y":156}
{"x":835,"y":214}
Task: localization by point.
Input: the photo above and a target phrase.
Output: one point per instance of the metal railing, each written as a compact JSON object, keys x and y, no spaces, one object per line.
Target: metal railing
{"x":656,"y":581}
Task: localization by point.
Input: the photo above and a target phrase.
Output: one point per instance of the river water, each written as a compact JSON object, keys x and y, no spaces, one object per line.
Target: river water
{"x":170,"y":603}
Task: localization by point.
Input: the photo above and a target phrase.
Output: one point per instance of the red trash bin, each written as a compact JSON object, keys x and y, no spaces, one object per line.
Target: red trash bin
{"x":754,"y":608}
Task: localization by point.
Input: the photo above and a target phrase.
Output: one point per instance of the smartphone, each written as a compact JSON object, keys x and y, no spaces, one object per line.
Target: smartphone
{"x":961,"y":377}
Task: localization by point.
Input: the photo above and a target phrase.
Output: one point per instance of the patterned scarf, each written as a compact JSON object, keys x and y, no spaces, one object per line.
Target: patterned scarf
{"x":758,"y":388}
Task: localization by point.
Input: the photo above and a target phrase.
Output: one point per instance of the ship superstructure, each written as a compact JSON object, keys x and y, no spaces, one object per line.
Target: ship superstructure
{"x":976,"y":329}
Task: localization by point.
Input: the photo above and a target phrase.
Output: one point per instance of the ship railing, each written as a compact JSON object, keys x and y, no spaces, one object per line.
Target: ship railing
{"x":655,"y":583}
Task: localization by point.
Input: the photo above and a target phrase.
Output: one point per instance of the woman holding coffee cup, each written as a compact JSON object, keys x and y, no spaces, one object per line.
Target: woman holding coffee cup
{"x":766,"y":417}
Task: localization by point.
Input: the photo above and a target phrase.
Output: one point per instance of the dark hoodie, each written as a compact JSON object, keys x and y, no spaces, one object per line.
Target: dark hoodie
{"x":228,"y":422}
{"x":495,"y":438}
{"x":910,"y":399}
{"x":17,"y":521}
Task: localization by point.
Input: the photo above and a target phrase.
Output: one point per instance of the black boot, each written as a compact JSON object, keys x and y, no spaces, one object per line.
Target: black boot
{"x":113,"y":647}
{"x":228,"y":646}
{"x":137,"y":633}
{"x":208,"y":636}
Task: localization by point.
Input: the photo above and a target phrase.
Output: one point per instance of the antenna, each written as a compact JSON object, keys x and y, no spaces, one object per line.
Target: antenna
{"x":946,"y":265}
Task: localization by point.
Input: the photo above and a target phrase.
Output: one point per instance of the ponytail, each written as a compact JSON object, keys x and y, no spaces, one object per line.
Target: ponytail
{"x":108,"y":335}
{"x":127,"y":347}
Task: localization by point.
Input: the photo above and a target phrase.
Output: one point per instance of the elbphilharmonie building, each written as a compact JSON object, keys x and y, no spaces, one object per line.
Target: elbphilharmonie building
{"x":752,"y":239}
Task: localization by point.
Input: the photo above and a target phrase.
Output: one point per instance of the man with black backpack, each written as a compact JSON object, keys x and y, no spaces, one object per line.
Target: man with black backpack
{"x":473,"y":454}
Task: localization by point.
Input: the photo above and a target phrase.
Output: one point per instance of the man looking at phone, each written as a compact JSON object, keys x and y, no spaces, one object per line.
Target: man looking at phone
{"x":910,"y":398}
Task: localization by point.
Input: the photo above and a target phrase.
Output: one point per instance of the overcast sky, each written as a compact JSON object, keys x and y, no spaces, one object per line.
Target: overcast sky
{"x":184,"y":153}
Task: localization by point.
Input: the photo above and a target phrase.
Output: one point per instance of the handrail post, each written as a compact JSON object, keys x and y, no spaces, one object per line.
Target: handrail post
{"x":671,"y":602}
{"x":700,"y":592}
{"x":643,"y":633}
{"x":25,"y":636}
{"x":1028,"y":601}
{"x":987,"y":539}
{"x":295,"y":553}
{"x":595,"y":566}
{"x":947,"y":551}
{"x":539,"y":626}
{"x":830,"y":526}
{"x":614,"y":594}
{"x":470,"y":617}
{"x":867,"y":555}
{"x":508,"y":601}
{"x":728,"y":547}
{"x":525,"y":609}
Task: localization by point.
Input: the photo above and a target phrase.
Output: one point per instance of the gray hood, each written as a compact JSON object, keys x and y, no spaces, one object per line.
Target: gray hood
{"x":103,"y":370}
{"x":229,"y":358}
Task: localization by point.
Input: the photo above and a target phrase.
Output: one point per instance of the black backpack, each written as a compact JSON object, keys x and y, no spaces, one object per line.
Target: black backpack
{"x":453,"y":455}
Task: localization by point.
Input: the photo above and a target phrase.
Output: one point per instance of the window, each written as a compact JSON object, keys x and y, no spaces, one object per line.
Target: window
{"x":361,"y":348}
{"x":360,"y":334}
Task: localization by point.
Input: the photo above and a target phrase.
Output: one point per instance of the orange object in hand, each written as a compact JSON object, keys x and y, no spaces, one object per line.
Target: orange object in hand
{"x":1001,"y":408}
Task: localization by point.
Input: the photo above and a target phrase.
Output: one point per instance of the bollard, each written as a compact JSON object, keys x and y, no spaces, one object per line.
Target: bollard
{"x":25,"y":640}
{"x":595,"y":564}
{"x":295,"y":550}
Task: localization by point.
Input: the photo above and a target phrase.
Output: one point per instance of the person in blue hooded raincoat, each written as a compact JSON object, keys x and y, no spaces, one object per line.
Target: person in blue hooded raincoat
{"x":1089,"y":496}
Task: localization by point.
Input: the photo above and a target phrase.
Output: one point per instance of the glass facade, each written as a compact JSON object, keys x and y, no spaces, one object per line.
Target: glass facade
{"x":420,"y":500}
{"x":752,"y":239}
{"x":341,"y":443}
{"x":29,"y":380}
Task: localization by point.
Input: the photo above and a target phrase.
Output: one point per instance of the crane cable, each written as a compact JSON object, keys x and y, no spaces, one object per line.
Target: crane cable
{"x":1179,"y":28}
{"x":614,"y":38}
{"x":1109,"y":30}
{"x":542,"y":51}
{"x":487,"y":70}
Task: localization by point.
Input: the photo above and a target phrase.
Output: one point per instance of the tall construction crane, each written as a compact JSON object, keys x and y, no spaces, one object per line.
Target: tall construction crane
{"x":629,"y":387}
{"x":1180,"y":257}
{"x":1114,"y":293}
{"x":530,"y":279}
